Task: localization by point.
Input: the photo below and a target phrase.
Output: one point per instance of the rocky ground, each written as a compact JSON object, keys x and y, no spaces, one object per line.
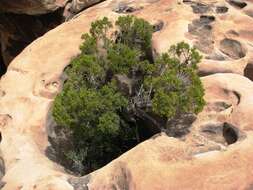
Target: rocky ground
{"x":216,"y":154}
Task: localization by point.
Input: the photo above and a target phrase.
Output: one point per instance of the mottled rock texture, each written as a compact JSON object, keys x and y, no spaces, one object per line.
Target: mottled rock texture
{"x":216,"y":154}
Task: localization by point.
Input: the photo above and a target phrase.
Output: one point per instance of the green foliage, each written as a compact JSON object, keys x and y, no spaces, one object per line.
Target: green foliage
{"x":177,"y":87}
{"x":86,"y":70}
{"x":92,"y":104}
{"x":122,"y":58}
{"x":109,"y":123}
{"x":90,"y":45}
{"x":84,"y":106}
{"x":134,"y":32}
{"x":99,"y":28}
{"x":92,"y":114}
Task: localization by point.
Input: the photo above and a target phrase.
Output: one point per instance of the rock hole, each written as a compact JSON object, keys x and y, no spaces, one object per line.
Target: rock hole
{"x":202,"y":29}
{"x":201,"y":26}
{"x":213,"y":131}
{"x":237,"y":4}
{"x":238,"y":96}
{"x":124,"y":8}
{"x":199,"y":30}
{"x":203,"y":21}
{"x":200,"y":8}
{"x":221,"y":9}
{"x":146,"y":126}
{"x":206,"y":19}
{"x":230,"y":133}
{"x":232,"y":48}
{"x":222,"y":133}
{"x":158,"y":26}
{"x":187,"y":1}
{"x":62,"y":151}
{"x":248,"y":71}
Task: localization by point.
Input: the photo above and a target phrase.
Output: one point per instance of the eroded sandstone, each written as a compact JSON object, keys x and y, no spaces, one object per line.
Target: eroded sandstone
{"x":215,"y":154}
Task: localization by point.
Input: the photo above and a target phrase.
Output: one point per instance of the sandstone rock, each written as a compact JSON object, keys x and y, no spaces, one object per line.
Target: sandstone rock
{"x":232,"y":48}
{"x":124,"y":7}
{"x":221,"y":9}
{"x":199,"y":8}
{"x":222,"y":160}
{"x":158,"y":26}
{"x":238,"y":3}
{"x":203,"y":30}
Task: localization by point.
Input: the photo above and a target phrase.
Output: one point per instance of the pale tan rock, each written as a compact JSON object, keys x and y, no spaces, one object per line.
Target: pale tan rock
{"x":200,"y":160}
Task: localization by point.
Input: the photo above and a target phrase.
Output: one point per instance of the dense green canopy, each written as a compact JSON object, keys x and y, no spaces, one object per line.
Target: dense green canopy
{"x":102,"y":116}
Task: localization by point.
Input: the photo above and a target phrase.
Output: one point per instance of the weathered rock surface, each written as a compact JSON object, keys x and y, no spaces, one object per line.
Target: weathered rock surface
{"x":216,"y":154}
